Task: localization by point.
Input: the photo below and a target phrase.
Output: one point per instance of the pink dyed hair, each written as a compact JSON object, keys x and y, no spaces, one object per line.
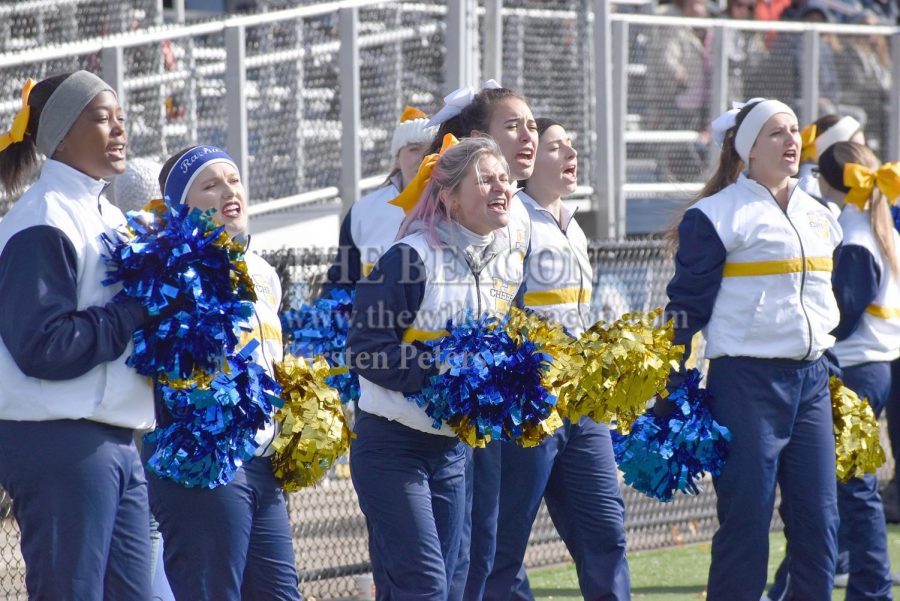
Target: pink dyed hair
{"x":453,"y":166}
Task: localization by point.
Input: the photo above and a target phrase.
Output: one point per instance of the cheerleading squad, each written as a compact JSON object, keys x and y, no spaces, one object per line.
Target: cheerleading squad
{"x":789,"y":282}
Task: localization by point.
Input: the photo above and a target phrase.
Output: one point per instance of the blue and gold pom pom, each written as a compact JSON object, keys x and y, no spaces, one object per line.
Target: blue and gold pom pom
{"x":661,"y":456}
{"x":214,"y":421}
{"x":191,"y":277}
{"x":320,"y":330}
{"x":492,"y":383}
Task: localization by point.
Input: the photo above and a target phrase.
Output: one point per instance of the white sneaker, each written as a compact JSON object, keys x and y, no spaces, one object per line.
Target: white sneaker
{"x":841,"y":580}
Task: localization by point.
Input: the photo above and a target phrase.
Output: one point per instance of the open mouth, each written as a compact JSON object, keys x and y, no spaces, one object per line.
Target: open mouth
{"x":790,"y":156}
{"x":116,"y":150}
{"x":231,"y":210}
{"x":498,"y":205}
{"x":571,"y":171}
{"x":525,"y":156}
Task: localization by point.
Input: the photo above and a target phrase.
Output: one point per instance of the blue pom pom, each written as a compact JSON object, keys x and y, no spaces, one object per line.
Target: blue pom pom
{"x":661,"y":456}
{"x":183,"y":267}
{"x":895,"y":213}
{"x":492,"y":385}
{"x":321,"y":329}
{"x":214,"y":428}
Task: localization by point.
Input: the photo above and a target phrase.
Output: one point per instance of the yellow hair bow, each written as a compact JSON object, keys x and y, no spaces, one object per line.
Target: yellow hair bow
{"x":19,"y":127}
{"x":862,"y":182}
{"x":410,"y":113}
{"x":808,"y":144}
{"x":411,"y":194}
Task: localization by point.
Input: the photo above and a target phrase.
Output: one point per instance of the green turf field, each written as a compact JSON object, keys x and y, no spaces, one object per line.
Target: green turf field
{"x":674,"y":574}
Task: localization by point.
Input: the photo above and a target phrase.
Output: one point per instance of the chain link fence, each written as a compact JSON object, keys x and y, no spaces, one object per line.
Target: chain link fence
{"x":329,"y":530}
{"x":176,"y":96}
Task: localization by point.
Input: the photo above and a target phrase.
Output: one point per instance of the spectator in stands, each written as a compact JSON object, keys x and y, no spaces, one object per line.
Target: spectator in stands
{"x":745,"y":52}
{"x":887,"y":12}
{"x":865,"y":76}
{"x":678,"y":85}
{"x":786,"y":57}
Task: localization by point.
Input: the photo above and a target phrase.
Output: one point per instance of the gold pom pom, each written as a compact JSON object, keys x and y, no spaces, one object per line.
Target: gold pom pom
{"x":314,"y":431}
{"x":625,"y":364}
{"x":856,"y":441}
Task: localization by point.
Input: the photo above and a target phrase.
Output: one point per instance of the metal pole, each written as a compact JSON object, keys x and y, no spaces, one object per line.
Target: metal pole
{"x":178,"y":5}
{"x":809,"y":103}
{"x":457,"y":44}
{"x":620,"y":110}
{"x":718,"y":98}
{"x":492,"y":60}
{"x":892,"y":144}
{"x":236,"y":100}
{"x":113,"y":59}
{"x":351,"y":170}
{"x":603,"y":184}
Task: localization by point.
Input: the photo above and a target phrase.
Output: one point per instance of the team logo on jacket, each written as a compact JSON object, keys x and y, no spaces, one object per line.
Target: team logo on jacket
{"x":503,"y":293}
{"x":819,"y":223}
{"x":520,"y":240}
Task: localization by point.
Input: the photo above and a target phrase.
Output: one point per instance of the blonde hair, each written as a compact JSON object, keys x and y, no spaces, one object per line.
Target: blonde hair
{"x":879,"y":205}
{"x":453,"y":166}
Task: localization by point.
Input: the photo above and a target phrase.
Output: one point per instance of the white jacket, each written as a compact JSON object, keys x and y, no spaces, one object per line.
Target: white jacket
{"x":558,"y":276}
{"x":775,"y":299}
{"x":877,"y":337}
{"x":374,"y":224}
{"x":266,"y":327}
{"x":450,"y":287}
{"x":112,"y":392}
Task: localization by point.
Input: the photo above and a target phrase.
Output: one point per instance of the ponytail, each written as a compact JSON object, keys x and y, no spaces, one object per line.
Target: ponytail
{"x":831,"y":169}
{"x":18,"y":160}
{"x":727,"y":172}
{"x":883,"y":228}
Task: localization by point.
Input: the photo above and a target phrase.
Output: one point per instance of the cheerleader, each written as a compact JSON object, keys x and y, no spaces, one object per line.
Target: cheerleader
{"x":69,"y":404}
{"x":371,"y":225}
{"x":575,"y":469}
{"x":504,"y":116}
{"x":753,"y":270}
{"x":453,"y":255}
{"x":816,"y":138}
{"x":233,"y":541}
{"x":867,"y":289}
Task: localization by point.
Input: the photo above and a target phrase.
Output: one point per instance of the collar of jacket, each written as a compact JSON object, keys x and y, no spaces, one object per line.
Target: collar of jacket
{"x":760,"y":191}
{"x":565,"y":215}
{"x":78,"y":186}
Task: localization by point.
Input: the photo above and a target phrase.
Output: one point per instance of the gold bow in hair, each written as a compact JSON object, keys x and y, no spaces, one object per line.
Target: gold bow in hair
{"x":808,"y":144}
{"x":410,"y":113}
{"x":411,"y":194}
{"x":862,"y":182}
{"x":19,"y":127}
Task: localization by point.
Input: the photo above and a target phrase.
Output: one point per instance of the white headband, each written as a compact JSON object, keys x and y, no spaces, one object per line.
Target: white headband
{"x":457,"y":100}
{"x":750,"y":126}
{"x":841,"y":131}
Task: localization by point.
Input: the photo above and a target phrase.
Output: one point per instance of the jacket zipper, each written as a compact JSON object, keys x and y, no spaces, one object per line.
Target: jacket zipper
{"x":565,"y":233}
{"x":262,"y":350}
{"x":803,"y":273}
